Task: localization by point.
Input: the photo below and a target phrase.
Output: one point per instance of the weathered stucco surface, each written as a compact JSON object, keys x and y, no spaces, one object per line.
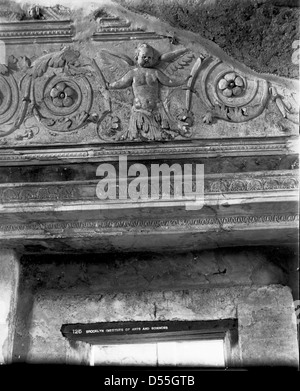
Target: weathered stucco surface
{"x":9,"y":281}
{"x":106,"y":272}
{"x":264,"y":339}
{"x":208,"y":285}
{"x":259,"y":33}
{"x":267,"y":327}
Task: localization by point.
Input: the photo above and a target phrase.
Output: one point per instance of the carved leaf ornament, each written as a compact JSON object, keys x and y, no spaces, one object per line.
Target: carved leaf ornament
{"x":65,"y":91}
{"x":230,"y":95}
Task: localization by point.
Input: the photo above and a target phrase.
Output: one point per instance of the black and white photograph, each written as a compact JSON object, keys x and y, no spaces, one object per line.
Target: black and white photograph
{"x":149,"y":188}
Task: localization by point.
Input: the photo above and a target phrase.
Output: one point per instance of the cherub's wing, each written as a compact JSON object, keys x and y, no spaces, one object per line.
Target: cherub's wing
{"x":116,"y":64}
{"x":121,"y":56}
{"x":177,"y":59}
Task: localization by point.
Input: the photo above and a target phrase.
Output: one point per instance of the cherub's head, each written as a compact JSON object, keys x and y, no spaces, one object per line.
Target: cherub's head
{"x":146,"y":56}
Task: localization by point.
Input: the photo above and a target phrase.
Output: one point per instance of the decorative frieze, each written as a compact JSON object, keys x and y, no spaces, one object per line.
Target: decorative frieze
{"x":96,"y":227}
{"x":246,"y":184}
{"x":42,"y":193}
{"x":251,"y":184}
{"x":68,"y":98}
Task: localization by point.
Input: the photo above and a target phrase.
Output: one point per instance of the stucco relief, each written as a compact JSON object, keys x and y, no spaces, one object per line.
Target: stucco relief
{"x":99,"y":226}
{"x":86,"y":190}
{"x":140,"y":91}
{"x":150,"y":117}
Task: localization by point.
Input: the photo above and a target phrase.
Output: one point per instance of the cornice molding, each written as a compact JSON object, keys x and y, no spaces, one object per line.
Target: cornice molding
{"x":125,"y":36}
{"x":245,"y":185}
{"x":99,"y":227}
{"x":197,"y":148}
{"x":55,"y":27}
{"x":112,"y":28}
{"x":27,"y":32}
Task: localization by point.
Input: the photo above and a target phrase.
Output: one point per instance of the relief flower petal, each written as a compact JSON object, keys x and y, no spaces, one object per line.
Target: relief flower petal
{"x":69,"y":91}
{"x":223,"y":83}
{"x":227,"y":92}
{"x":58,"y":102}
{"x":54,"y":92}
{"x":236,"y":91}
{"x":60,"y":86}
{"x":230,"y":76}
{"x":239,"y":81}
{"x":68,"y":101}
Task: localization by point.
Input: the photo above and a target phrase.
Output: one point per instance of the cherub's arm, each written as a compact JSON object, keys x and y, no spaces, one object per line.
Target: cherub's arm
{"x":124,"y":82}
{"x":167,"y":81}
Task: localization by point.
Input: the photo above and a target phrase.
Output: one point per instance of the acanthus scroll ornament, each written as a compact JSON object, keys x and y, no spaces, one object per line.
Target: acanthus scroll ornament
{"x":287,"y":103}
{"x":15,"y":87}
{"x":230,"y":95}
{"x":234,"y":96}
{"x":56,"y":90}
{"x":150,"y":97}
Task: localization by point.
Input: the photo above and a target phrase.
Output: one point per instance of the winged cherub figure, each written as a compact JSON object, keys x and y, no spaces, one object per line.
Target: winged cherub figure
{"x":149,"y":119}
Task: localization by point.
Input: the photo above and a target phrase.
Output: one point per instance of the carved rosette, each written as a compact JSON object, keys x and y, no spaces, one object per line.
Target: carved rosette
{"x":231,"y":85}
{"x":230,"y":95}
{"x":62,"y":94}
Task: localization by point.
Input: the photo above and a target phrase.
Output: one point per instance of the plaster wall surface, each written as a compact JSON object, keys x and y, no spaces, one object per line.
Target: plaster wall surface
{"x":9,"y":280}
{"x":251,"y":31}
{"x":209,"y":285}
